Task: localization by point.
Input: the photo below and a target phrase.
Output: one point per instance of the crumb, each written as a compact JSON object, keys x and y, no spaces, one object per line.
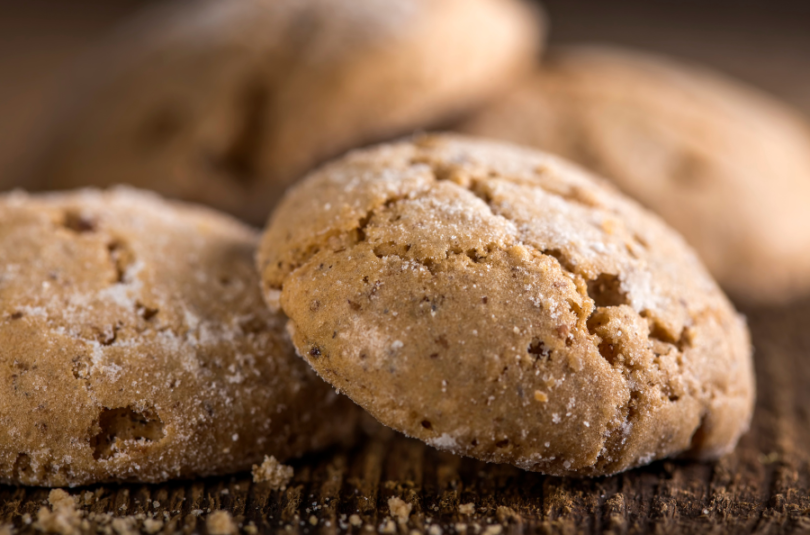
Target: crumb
{"x":58,"y":498}
{"x":26,"y":518}
{"x":505,"y":514}
{"x":355,"y":521}
{"x":400,"y":509}
{"x":435,"y":530}
{"x":124,"y":525}
{"x":313,"y":520}
{"x":495,"y":529}
{"x":466,"y":508}
{"x":388,"y":526}
{"x":152,"y":526}
{"x":221,"y":523}
{"x":540,"y":396}
{"x":251,"y":529}
{"x":64,"y":518}
{"x":273,"y":472}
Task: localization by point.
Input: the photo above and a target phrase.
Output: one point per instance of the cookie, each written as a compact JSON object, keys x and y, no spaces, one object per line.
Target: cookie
{"x":135,"y":346}
{"x":500,"y":303}
{"x":726,"y":166}
{"x":226,"y":103}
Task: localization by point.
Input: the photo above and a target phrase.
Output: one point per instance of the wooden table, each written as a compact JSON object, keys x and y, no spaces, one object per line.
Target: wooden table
{"x":763,"y":487}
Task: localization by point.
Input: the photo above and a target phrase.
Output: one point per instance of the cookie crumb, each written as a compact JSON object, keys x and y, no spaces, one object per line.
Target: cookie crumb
{"x":400,"y":509}
{"x":221,"y":523}
{"x":63,"y":519}
{"x":388,"y":527}
{"x":461,"y":527}
{"x":251,"y":529}
{"x":273,"y":472}
{"x":58,"y":499}
{"x":495,"y":529}
{"x":355,"y":521}
{"x":152,"y":525}
{"x":540,"y":396}
{"x":505,"y":514}
{"x":466,"y":508}
{"x":124,"y":525}
{"x":435,"y":530}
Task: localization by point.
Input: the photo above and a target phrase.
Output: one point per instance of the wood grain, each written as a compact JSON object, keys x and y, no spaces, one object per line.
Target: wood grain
{"x":763,"y":487}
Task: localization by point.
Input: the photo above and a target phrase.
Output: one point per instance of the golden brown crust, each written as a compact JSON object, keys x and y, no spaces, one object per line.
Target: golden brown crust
{"x":226,"y":103}
{"x":726,"y":166}
{"x":500,"y":303}
{"x":135,"y":346}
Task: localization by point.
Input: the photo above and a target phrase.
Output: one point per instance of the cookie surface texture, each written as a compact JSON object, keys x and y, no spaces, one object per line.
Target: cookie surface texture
{"x":723,"y":164}
{"x":134,"y":345}
{"x":226,"y":103}
{"x":503,"y":304}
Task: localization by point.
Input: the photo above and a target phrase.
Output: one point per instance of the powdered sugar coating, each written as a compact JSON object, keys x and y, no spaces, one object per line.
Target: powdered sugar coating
{"x":135,"y":346}
{"x":500,"y":303}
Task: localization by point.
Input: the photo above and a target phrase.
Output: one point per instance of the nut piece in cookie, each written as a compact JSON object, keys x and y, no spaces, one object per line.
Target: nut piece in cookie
{"x":725,"y":165}
{"x":226,"y":103}
{"x":500,"y":303}
{"x":135,"y":346}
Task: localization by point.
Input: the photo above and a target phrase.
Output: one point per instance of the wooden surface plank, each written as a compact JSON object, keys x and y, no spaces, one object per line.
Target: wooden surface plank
{"x":763,"y":487}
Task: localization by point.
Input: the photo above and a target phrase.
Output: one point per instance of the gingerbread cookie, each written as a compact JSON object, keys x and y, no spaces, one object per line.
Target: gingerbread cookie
{"x":500,"y":303}
{"x":723,"y":164}
{"x":226,"y":103}
{"x":135,"y":346}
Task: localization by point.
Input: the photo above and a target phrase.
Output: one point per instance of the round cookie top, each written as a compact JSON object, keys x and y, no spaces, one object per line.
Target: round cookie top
{"x":500,"y":303}
{"x":135,"y":345}
{"x":226,"y":103}
{"x":725,"y":165}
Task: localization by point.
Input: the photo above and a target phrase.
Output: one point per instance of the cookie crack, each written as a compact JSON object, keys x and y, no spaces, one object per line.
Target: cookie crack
{"x":440,"y":173}
{"x":446,"y":173}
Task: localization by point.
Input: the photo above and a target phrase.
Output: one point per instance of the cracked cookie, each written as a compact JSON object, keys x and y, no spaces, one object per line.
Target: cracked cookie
{"x":725,"y":165}
{"x":226,"y":103}
{"x":500,"y":303}
{"x":135,"y":346}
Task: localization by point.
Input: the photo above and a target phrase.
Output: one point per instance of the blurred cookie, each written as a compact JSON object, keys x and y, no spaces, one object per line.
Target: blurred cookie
{"x":226,"y":103}
{"x":725,"y":165}
{"x":499,"y":303}
{"x":134,"y":345}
